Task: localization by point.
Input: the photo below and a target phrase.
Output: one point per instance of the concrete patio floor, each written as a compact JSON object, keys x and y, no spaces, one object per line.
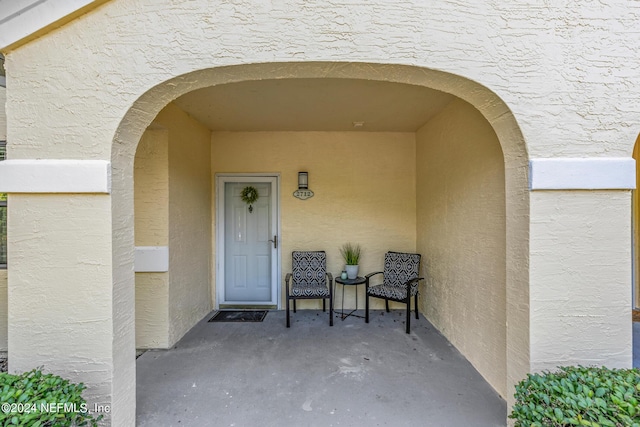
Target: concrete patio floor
{"x":351,"y":374}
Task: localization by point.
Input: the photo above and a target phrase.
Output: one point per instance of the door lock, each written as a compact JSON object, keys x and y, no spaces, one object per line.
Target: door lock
{"x":275,"y":242}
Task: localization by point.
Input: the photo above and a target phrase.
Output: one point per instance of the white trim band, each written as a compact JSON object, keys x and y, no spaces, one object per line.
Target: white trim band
{"x":151,"y":259}
{"x":55,"y":176}
{"x":601,"y":173}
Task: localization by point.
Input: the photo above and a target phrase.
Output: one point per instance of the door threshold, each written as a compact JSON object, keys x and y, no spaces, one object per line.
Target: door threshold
{"x":247,"y":307}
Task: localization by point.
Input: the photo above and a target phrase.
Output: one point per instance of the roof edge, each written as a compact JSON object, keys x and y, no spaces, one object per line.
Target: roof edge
{"x":38,"y":18}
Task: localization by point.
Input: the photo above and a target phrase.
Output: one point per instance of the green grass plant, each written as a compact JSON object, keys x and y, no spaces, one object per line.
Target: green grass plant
{"x":351,"y":253}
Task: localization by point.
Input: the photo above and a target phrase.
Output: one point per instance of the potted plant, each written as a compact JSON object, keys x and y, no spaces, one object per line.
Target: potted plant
{"x":351,"y":255}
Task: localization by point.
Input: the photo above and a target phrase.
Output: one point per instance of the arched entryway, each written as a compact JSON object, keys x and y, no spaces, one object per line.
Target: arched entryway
{"x":491,"y":119}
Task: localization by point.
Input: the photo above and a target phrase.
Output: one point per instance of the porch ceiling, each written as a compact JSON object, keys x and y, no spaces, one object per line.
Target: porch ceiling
{"x":314,"y":105}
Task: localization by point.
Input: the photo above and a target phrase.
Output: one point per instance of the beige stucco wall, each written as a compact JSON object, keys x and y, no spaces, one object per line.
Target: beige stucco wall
{"x":189,"y":220}
{"x":542,"y":87}
{"x":461,"y":234}
{"x":582,"y":275}
{"x":72,"y":279}
{"x":172,"y":208}
{"x":151,"y":200}
{"x":151,"y":191}
{"x":3,"y":273}
{"x":635,"y":200}
{"x":364,"y":185}
{"x":3,"y":311}
{"x":3,"y":114}
{"x":390,"y":33}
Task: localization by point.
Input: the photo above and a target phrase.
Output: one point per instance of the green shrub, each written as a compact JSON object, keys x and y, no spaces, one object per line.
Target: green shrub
{"x":579,"y":396}
{"x":35,"y":399}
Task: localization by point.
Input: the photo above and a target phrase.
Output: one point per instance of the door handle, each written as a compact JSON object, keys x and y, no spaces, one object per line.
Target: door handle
{"x":275,"y":242}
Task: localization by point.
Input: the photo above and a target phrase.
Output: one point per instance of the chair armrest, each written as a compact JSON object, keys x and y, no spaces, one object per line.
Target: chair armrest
{"x":410,"y":282}
{"x":330,"y":277}
{"x":373,"y":274}
{"x":369,"y":276}
{"x":286,"y":287}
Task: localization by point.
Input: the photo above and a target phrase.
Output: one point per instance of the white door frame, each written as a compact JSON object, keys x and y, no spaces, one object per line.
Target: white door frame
{"x":221,"y":179}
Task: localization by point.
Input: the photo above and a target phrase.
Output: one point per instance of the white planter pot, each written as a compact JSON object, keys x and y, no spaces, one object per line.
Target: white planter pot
{"x":352,"y":271}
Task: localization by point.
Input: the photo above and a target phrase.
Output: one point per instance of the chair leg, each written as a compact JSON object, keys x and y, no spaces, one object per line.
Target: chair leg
{"x":408,"y":313}
{"x":294,"y":305}
{"x":366,"y":309}
{"x":324,"y":304}
{"x":288,"y":324}
{"x":386,"y":303}
{"x":416,"y":306}
{"x":330,"y":311}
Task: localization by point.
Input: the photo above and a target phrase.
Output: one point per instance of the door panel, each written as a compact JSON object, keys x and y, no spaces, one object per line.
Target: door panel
{"x":248,"y":251}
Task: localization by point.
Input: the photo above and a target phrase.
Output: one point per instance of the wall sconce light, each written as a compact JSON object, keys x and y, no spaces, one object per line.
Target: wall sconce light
{"x":303,"y":192}
{"x":303,"y":180}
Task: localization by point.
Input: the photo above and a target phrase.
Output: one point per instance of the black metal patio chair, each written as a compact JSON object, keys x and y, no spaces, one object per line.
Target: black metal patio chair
{"x":309,"y":280}
{"x":400,"y":282}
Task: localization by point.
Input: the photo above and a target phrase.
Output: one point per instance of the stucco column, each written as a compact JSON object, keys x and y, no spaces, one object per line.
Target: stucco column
{"x":580,"y":283}
{"x":63,"y":303}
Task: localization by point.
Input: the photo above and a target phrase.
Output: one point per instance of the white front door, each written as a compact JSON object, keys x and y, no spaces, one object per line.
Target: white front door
{"x":248,"y":241}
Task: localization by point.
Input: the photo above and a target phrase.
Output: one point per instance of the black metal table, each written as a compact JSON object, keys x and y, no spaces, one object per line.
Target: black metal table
{"x":349,"y":282}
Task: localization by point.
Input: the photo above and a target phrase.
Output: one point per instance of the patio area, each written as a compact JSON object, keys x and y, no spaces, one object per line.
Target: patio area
{"x":351,"y":374}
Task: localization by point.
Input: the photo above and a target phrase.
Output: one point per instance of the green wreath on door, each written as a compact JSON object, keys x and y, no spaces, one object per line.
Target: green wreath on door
{"x":249,"y":195}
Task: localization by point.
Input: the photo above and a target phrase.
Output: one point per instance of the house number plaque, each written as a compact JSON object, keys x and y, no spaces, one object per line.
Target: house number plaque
{"x":303,"y":194}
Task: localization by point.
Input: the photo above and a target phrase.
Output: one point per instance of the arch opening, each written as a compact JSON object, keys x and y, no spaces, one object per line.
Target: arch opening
{"x":437,"y":161}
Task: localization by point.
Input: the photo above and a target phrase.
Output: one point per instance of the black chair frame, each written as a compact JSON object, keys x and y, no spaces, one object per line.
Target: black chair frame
{"x":288,"y":281}
{"x":407,"y":300}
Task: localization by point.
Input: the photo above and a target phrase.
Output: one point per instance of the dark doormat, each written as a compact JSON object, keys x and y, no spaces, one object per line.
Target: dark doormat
{"x":239,"y":316}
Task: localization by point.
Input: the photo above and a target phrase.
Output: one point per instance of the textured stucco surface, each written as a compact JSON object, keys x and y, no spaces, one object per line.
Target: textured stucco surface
{"x":3,"y":273}
{"x":152,"y":310}
{"x":364,"y":185}
{"x":189,"y":220}
{"x":65,"y":315}
{"x":461,"y":234}
{"x":506,"y":52}
{"x":557,"y":77}
{"x":142,"y":110}
{"x":151,"y":189}
{"x":636,"y":225}
{"x":3,"y":311}
{"x":151,"y":199}
{"x":3,"y":114}
{"x":172,"y":208}
{"x":580,"y":278}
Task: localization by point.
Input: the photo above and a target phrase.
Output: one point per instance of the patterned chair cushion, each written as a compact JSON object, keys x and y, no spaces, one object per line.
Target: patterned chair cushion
{"x":309,"y":291}
{"x":388,"y":292}
{"x":399,"y":268}
{"x":309,"y":275}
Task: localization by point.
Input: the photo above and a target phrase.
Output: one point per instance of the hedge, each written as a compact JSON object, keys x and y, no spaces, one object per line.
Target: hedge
{"x":578,"y":396}
{"x":35,"y":399}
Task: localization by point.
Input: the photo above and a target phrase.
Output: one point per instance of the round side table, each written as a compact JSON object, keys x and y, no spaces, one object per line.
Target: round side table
{"x":349,"y":282}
